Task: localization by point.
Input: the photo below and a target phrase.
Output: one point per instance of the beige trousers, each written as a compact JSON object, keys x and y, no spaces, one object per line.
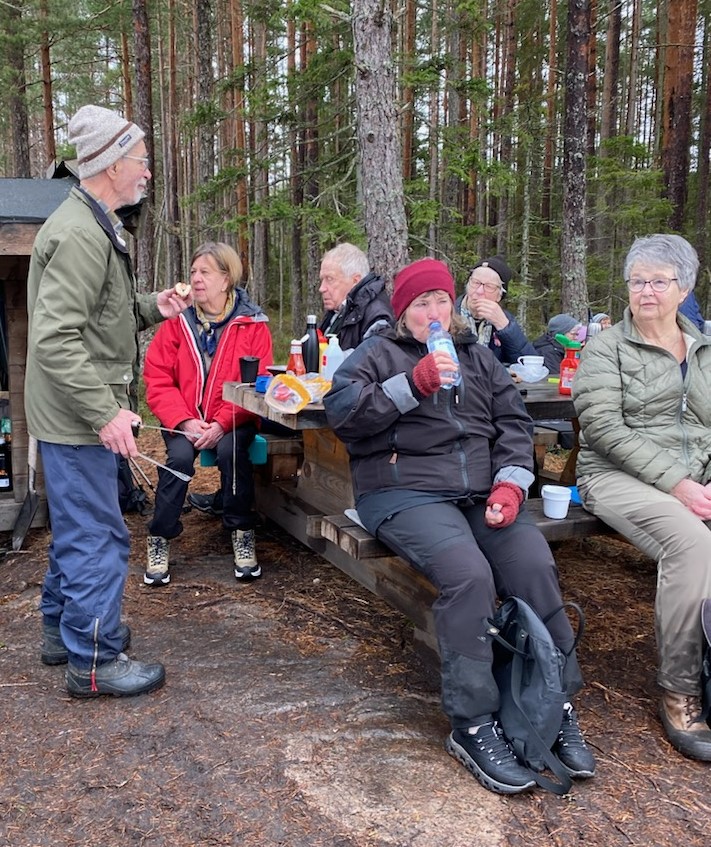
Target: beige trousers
{"x":662,"y":527}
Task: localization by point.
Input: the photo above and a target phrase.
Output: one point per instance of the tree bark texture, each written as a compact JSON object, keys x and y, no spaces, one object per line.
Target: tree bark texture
{"x":573,"y":249}
{"x":378,"y":138}
{"x":676,"y":114}
{"x":144,"y":119}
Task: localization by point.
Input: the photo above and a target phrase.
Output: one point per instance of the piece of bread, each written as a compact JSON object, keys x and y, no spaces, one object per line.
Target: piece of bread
{"x":182,"y":289}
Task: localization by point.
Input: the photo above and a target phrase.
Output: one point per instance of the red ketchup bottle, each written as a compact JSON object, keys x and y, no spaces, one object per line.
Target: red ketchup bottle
{"x":296,"y":365}
{"x":568,"y":367}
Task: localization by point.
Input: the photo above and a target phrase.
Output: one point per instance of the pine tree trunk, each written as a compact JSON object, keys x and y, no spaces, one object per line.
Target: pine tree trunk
{"x":145,"y":264}
{"x":48,"y":107}
{"x":702,"y":206}
{"x":676,"y":110}
{"x":573,"y":247}
{"x":17,"y":100}
{"x":378,"y":137}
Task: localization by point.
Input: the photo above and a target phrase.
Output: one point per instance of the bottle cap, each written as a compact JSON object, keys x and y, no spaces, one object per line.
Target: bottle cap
{"x":310,"y":319}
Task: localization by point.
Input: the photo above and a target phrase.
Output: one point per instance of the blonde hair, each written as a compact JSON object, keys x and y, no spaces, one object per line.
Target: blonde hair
{"x":225,"y":257}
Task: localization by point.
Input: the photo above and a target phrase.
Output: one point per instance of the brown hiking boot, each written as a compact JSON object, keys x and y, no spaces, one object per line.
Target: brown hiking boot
{"x":683,"y":726}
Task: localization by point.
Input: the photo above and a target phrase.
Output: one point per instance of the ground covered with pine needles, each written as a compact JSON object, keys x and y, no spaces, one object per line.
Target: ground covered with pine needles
{"x":297,"y":712}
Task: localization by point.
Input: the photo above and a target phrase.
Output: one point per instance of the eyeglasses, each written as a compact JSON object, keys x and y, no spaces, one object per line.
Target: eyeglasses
{"x":489,"y":287}
{"x":637,"y":284}
{"x":144,"y":160}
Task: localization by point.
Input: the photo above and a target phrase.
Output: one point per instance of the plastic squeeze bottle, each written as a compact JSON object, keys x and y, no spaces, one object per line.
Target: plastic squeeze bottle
{"x":569,"y":365}
{"x":332,"y":358}
{"x":440,"y":339}
{"x":295,"y":365}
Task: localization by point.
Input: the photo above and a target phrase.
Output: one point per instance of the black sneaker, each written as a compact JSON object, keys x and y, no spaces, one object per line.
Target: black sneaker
{"x":208,"y":504}
{"x":53,"y":651}
{"x":121,"y":677}
{"x":570,"y":747}
{"x":489,"y":757}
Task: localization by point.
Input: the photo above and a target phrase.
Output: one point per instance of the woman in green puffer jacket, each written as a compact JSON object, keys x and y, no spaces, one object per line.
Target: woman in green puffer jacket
{"x":643,"y":398}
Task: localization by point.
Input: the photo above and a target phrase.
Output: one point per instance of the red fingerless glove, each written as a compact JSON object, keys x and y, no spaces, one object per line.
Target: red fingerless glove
{"x":509,"y":497}
{"x":426,"y":376}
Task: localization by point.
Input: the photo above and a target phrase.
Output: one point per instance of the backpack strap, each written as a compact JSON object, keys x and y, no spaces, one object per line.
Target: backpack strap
{"x":581,"y":623}
{"x":706,"y":663}
{"x":553,"y":763}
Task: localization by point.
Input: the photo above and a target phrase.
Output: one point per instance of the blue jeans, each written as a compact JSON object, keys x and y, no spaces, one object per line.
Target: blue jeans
{"x":88,"y":555}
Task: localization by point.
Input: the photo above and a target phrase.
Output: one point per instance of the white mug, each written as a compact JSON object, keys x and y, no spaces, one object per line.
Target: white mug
{"x":535,"y":362}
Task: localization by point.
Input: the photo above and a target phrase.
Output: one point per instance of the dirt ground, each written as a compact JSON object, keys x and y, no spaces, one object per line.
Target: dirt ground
{"x":297,"y":713}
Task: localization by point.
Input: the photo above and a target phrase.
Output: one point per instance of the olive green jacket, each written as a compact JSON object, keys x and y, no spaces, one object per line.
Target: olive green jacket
{"x":84,"y":316}
{"x":636,"y":412}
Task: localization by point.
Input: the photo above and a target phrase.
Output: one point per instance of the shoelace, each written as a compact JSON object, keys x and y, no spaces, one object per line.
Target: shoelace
{"x":495,"y":745}
{"x":569,"y":734}
{"x":159,"y":554}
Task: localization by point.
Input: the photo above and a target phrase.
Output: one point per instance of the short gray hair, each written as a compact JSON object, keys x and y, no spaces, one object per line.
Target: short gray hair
{"x":351,"y":259}
{"x":664,"y":249}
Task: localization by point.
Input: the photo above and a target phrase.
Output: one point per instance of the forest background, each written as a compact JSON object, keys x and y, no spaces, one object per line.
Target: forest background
{"x":553,"y":133}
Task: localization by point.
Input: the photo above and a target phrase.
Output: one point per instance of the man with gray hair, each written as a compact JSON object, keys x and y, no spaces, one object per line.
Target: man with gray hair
{"x":84,"y":316}
{"x":356,"y":306}
{"x":354,"y":298}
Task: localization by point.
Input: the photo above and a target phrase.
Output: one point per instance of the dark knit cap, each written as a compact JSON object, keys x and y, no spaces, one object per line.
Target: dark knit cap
{"x":419,"y":278}
{"x":496,"y":263}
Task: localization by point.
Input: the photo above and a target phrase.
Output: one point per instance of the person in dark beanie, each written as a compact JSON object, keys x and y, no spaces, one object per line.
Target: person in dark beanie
{"x":440,"y":474}
{"x":84,"y":316}
{"x":553,"y":351}
{"x":481,"y":308}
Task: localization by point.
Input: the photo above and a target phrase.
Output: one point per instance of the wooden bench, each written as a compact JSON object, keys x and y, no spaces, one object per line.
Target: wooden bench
{"x":375,"y":567}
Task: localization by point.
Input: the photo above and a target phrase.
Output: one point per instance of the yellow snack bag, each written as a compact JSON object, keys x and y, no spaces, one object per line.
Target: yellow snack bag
{"x":287,"y":394}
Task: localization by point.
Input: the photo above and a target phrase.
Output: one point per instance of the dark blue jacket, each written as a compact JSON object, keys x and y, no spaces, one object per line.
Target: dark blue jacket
{"x":509,"y":343}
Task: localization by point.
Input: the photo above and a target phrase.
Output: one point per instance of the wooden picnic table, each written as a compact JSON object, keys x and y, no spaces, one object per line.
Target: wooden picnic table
{"x":542,"y":400}
{"x":310,"y":504}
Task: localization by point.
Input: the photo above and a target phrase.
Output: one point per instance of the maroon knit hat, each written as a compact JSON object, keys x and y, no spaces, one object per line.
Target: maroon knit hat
{"x":419,"y":278}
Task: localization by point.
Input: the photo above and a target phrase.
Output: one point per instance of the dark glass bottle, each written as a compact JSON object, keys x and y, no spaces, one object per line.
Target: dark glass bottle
{"x":310,"y":346}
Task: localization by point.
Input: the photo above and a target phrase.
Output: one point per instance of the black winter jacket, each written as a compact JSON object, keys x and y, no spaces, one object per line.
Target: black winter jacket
{"x":552,"y":351}
{"x":367,"y":304}
{"x":458,"y":441}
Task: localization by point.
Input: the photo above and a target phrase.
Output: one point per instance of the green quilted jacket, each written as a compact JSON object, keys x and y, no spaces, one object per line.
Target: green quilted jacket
{"x":636,"y":412}
{"x":84,"y":315}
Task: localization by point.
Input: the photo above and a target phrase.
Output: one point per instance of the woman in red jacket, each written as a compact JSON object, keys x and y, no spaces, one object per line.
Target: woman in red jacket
{"x":186,"y":365}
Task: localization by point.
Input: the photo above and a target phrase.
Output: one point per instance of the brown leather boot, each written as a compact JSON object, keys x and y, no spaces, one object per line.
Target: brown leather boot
{"x":679,"y":713}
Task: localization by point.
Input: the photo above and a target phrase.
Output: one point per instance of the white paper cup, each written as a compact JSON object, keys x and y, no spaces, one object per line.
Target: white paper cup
{"x":556,"y":499}
{"x":535,"y":363}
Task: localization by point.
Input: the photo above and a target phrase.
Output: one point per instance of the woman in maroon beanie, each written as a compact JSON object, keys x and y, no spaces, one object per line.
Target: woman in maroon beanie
{"x":440,"y":474}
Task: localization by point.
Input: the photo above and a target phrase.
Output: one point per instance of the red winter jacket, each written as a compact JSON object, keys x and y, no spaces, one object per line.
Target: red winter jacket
{"x":177,"y":387}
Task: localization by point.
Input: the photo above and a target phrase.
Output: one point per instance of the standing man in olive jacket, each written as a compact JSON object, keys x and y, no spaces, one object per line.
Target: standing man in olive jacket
{"x":84,"y":315}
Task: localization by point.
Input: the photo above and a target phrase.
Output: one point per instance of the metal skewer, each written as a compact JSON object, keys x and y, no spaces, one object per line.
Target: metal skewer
{"x":179,"y":474}
{"x":138,"y":425}
{"x":139,"y":470}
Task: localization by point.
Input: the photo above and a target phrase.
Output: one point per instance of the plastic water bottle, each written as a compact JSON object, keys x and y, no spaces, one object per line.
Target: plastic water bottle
{"x":440,"y":339}
{"x":332,"y":358}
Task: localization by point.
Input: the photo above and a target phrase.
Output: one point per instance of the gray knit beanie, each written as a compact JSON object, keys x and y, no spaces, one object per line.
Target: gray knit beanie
{"x":101,"y":138}
{"x":562,"y":324}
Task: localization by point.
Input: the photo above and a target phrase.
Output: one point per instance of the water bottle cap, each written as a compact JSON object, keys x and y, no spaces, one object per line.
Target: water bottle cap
{"x":435,"y":325}
{"x":310,"y":319}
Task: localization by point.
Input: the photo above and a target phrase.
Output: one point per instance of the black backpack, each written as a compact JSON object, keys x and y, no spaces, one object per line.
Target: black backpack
{"x":528,"y":668}
{"x":706,"y":665}
{"x":132,"y":497}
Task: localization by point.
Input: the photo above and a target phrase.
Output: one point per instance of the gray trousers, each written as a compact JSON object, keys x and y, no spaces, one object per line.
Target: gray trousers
{"x":662,"y":527}
{"x":471,"y":564}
